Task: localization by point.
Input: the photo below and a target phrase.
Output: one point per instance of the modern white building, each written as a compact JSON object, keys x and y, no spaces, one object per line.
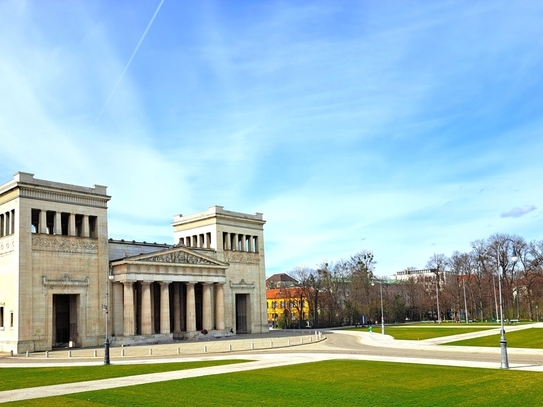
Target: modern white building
{"x":60,"y":272}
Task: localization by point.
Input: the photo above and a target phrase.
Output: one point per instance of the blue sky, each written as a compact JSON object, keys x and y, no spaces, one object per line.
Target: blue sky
{"x":405,"y":128}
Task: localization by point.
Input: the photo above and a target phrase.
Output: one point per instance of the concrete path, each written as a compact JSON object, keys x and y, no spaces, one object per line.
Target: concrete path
{"x":278,"y":348}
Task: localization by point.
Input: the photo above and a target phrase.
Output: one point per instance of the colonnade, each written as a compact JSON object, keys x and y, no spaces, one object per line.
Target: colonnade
{"x":240,"y":242}
{"x":177,"y":305}
{"x":7,"y":223}
{"x":51,"y":222}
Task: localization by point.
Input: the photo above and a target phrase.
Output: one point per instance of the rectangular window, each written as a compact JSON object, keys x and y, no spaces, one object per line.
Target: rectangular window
{"x":35,"y":221}
{"x":11,"y":319}
{"x":64,"y":221}
{"x":79,"y":225}
{"x":1,"y":317}
{"x":93,"y":232}
{"x":50,"y":220}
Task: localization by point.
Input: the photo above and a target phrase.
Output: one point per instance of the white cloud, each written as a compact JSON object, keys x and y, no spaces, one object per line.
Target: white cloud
{"x":518,"y":212}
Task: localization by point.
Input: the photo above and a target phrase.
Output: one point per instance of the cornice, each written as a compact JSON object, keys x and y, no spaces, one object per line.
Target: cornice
{"x":68,"y":197}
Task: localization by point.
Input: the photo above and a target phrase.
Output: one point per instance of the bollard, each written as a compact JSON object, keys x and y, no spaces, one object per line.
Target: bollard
{"x":27,"y":354}
{"x":11,"y":352}
{"x":69,"y":353}
{"x":95,"y":353}
{"x":150,"y":351}
{"x":122,"y":352}
{"x":205,"y":349}
{"x":271,"y":344}
{"x":229,"y":347}
{"x":178,"y":351}
{"x":301,"y":340}
{"x":310,"y":339}
{"x":252,"y":345}
{"x":46,"y":353}
{"x":288,"y":342}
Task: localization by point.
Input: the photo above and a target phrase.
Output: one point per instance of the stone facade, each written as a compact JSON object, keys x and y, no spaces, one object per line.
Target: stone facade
{"x":59,"y":271}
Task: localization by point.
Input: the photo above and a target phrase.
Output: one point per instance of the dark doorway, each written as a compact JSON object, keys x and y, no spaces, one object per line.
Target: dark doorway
{"x":241,"y":313}
{"x":65,"y":319}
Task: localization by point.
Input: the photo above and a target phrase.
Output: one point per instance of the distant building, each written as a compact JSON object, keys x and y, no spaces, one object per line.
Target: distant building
{"x":281,"y":280}
{"x":287,"y":307}
{"x":60,"y":272}
{"x":424,"y":273}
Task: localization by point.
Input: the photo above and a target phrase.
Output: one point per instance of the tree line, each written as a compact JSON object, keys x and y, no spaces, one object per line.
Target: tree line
{"x":460,"y":287}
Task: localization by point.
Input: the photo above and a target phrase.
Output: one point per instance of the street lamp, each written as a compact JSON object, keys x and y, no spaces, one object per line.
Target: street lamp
{"x":465,"y":301}
{"x":503,"y":341}
{"x":105,"y":307}
{"x":382,"y":311}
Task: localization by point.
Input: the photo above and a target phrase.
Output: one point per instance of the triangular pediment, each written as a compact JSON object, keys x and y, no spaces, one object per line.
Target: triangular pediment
{"x":179,"y":255}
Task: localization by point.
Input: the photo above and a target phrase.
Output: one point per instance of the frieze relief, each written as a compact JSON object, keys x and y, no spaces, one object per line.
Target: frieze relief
{"x":65,"y":281}
{"x":178,"y":258}
{"x":66,"y":244}
{"x":7,"y":245}
{"x":241,"y":257}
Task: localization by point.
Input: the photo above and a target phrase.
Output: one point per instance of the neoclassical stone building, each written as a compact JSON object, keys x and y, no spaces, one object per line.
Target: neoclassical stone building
{"x":63,"y":279}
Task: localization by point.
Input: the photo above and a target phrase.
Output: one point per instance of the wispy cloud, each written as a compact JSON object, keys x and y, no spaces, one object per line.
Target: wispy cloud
{"x":518,"y":212}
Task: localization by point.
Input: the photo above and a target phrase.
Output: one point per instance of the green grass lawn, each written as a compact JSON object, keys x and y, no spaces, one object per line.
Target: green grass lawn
{"x":417,"y":333}
{"x":526,"y":338}
{"x":12,"y":378}
{"x":330,"y":383}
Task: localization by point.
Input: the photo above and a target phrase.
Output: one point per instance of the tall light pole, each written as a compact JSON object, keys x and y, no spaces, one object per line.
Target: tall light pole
{"x":105,"y":307}
{"x":503,"y":341}
{"x":382,"y":309}
{"x":465,"y":301}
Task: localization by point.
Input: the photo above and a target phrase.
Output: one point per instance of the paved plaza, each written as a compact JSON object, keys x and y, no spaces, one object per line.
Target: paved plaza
{"x":278,"y":348}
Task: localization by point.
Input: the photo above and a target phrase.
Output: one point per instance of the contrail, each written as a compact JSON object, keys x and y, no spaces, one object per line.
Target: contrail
{"x":129,"y":61}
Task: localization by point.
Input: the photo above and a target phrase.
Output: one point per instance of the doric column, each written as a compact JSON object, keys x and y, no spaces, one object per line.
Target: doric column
{"x":146,"y":316}
{"x":206,"y":307}
{"x":129,"y":325}
{"x":164,"y":307}
{"x":219,"y":306}
{"x":191,"y":308}
{"x":85,"y":226}
{"x":176,"y":308}
{"x":116,"y":308}
{"x":58,"y":223}
{"x":71,"y":225}
{"x":43,"y":221}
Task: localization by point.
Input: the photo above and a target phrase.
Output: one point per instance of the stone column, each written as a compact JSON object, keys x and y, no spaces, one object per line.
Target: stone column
{"x":129,"y":323}
{"x":219,"y":307}
{"x":176,"y":308}
{"x":85,"y":226}
{"x":43,"y":222}
{"x":206,"y":307}
{"x":58,"y":223}
{"x":71,"y":225}
{"x":191,"y":308}
{"x":164,"y":307}
{"x":146,"y":316}
{"x":116,"y":308}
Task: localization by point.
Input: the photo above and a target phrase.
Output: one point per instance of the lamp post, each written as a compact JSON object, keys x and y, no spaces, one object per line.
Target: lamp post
{"x":105,"y":307}
{"x":503,"y":341}
{"x":382,"y":310}
{"x":465,"y":301}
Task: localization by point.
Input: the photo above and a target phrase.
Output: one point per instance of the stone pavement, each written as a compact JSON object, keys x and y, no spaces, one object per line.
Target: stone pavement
{"x":278,"y":348}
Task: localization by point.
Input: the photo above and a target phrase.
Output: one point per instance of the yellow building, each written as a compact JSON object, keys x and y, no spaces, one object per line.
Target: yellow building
{"x":287,"y":308}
